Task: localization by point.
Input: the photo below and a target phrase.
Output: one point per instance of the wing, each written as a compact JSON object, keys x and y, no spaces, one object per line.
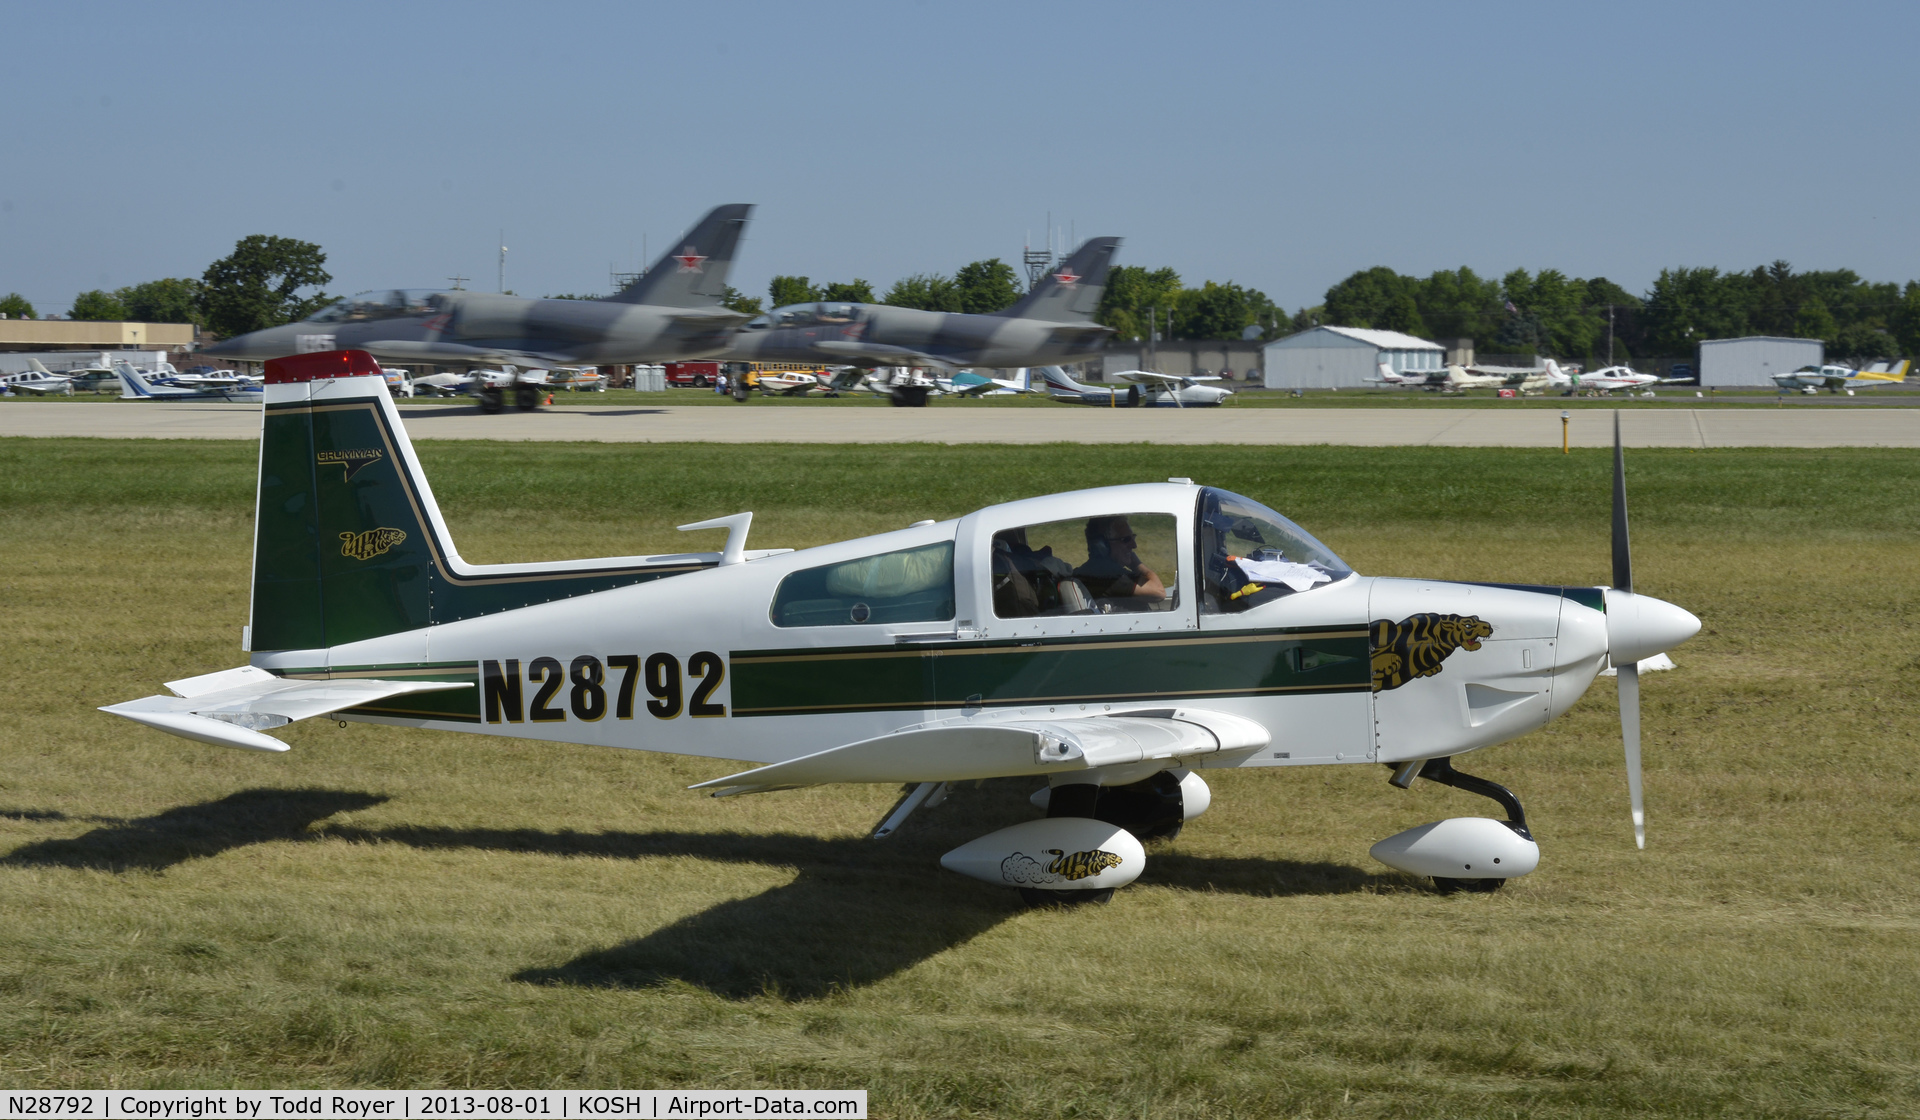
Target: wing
{"x":958,"y":750}
{"x":1143,"y":377}
{"x":230,"y":708}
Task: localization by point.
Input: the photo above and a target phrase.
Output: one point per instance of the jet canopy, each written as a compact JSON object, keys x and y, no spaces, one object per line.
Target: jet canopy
{"x":808,"y":315}
{"x":395,"y":303}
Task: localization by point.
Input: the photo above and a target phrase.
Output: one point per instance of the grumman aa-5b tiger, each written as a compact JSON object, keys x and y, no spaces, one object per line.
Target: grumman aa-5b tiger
{"x":1110,"y":645}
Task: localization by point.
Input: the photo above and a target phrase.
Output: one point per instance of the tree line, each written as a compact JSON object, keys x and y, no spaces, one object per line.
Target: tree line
{"x":260,"y":285}
{"x":256,"y":286}
{"x":1550,"y":313}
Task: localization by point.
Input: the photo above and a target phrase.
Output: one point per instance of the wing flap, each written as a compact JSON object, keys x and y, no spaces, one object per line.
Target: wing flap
{"x":971,"y":749}
{"x":231,"y":708}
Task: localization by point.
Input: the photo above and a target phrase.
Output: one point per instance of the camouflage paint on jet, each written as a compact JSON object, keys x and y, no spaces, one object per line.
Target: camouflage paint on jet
{"x":672,"y":313}
{"x":1052,"y":325}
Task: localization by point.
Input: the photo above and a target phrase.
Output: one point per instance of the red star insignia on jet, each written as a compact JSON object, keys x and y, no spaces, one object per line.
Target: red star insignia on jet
{"x":1066,"y":276}
{"x":689,"y":260}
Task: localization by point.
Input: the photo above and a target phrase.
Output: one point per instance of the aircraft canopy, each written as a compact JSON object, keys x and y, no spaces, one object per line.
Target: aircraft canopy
{"x":395,"y":303}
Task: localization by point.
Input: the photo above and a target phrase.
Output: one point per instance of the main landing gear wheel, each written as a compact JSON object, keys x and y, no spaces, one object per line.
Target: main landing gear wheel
{"x":492,"y":400}
{"x":527,"y":398}
{"x":1070,"y":801}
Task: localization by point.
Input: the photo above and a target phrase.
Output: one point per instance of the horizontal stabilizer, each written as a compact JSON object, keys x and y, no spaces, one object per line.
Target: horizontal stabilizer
{"x":959,"y":750}
{"x":231,"y":708}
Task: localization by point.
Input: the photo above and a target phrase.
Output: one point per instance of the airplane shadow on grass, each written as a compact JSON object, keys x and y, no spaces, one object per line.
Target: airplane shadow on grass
{"x":253,"y":816}
{"x":856,"y":912}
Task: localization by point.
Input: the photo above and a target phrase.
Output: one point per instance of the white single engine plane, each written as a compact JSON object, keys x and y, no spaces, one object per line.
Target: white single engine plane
{"x":1110,"y":644}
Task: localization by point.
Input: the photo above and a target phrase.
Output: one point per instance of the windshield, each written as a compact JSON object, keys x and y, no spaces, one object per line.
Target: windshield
{"x":394,"y":303}
{"x":1250,"y":555}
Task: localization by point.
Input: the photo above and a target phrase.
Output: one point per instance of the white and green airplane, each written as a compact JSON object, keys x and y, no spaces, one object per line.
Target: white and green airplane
{"x":1109,"y":645}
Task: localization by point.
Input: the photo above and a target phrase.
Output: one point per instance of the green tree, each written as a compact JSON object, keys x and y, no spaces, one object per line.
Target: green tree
{"x":1813,"y":320}
{"x":928,"y":291}
{"x":732,"y":299}
{"x":97,"y":306}
{"x":1379,"y":298}
{"x":984,"y":287}
{"x":1904,"y":321}
{"x":162,"y":301}
{"x":1689,"y":305}
{"x":1459,"y":304}
{"x":1308,"y":318}
{"x":1861,"y":343}
{"x":258,"y":286}
{"x":1131,"y":291}
{"x":1217,"y":311}
{"x":15,"y":306}
{"x":788,"y":290}
{"x":855,"y":291}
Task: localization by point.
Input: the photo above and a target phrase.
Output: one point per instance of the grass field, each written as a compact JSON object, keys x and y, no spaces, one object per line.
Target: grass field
{"x":393,"y":907}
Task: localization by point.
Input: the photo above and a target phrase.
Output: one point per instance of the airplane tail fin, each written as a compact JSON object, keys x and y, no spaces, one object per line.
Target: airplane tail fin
{"x":133,"y":384}
{"x":1554,"y":376}
{"x":694,"y":272}
{"x":1071,"y":292}
{"x":1884,"y":371}
{"x":34,"y":365}
{"x":1058,"y":380}
{"x":349,"y":543}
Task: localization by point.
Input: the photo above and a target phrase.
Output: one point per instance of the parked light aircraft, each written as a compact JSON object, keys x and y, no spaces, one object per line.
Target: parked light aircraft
{"x":1612,"y":379}
{"x":164,"y":384}
{"x":1834,"y":378}
{"x":1053,"y":323}
{"x":966,"y":383}
{"x":1110,"y":643}
{"x":1456,"y":377}
{"x":1145,"y":389}
{"x":37,"y":380}
{"x":671,"y":313}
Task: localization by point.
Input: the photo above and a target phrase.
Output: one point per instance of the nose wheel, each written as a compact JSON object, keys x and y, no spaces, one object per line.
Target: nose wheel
{"x":1441,"y":770}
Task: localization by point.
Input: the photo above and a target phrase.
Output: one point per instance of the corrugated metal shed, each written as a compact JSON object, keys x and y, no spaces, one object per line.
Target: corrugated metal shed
{"x":1343,"y":357}
{"x":1754,"y":360}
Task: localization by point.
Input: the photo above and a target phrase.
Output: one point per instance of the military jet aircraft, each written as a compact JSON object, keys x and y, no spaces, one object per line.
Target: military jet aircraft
{"x":1108,"y":643}
{"x":1054,"y":323}
{"x":671,"y":313}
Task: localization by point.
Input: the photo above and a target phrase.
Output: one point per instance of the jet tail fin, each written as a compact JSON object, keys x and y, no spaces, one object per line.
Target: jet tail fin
{"x":694,"y":272}
{"x":1070,"y":293}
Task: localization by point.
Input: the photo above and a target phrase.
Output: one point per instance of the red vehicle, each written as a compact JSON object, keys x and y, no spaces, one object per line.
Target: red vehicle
{"x":697,"y":375}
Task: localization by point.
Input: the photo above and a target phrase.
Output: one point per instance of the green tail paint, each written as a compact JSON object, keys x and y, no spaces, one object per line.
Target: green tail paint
{"x":348,"y":541}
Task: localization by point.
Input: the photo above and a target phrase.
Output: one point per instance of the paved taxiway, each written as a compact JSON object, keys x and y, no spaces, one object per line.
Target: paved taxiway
{"x":1368,"y":427}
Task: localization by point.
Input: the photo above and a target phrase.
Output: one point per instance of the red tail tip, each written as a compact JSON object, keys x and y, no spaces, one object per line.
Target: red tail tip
{"x":321,"y":366}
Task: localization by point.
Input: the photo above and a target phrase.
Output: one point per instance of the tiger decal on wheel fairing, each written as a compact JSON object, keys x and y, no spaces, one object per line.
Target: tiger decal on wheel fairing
{"x":1414,"y":648}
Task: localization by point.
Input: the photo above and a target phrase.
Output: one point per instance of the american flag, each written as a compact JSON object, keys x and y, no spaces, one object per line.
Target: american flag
{"x":1511,"y":309}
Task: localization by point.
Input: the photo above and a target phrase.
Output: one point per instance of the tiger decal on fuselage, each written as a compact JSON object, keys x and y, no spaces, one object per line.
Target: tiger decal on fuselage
{"x":1409,"y":650}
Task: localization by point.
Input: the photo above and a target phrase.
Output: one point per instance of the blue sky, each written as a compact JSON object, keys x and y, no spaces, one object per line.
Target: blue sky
{"x":1280,"y":146}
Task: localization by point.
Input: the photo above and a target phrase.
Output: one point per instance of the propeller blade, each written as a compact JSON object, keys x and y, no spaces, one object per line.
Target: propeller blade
{"x":1630,"y":734}
{"x":1622,"y":554}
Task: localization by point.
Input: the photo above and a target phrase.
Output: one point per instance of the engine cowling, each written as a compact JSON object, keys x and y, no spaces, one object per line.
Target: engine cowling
{"x":1055,"y":854}
{"x":1460,"y":848}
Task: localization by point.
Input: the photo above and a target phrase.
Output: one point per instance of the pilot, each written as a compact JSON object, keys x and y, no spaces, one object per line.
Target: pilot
{"x":1114,"y":570}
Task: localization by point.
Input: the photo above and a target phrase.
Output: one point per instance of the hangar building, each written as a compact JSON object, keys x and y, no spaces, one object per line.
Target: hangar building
{"x":1754,"y":361}
{"x":1339,"y":357}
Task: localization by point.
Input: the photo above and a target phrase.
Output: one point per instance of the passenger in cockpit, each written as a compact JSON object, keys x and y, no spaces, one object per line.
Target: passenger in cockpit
{"x":1114,"y":572}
